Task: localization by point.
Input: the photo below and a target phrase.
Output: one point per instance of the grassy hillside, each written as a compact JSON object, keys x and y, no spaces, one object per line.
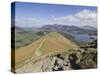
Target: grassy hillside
{"x":56,"y":42}
{"x":51,"y":43}
{"x":25,"y":38}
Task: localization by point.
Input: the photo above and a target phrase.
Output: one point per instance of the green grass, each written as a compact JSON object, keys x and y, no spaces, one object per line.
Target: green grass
{"x":26,"y":38}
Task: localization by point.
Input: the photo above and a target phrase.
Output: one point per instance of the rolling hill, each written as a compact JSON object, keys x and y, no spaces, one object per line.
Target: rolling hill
{"x":51,"y":43}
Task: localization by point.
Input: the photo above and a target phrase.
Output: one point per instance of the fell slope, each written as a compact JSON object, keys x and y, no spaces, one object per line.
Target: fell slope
{"x":49,"y":44}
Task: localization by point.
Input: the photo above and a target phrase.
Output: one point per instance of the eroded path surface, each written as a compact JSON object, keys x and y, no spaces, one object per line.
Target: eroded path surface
{"x":42,"y":54}
{"x":58,"y":62}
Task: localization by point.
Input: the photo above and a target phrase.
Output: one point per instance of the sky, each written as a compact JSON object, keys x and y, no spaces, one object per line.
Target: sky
{"x":37,"y":14}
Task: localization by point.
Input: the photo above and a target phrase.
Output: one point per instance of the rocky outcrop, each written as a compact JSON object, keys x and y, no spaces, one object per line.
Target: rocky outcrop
{"x":82,"y":58}
{"x":75,"y":59}
{"x":57,"y":62}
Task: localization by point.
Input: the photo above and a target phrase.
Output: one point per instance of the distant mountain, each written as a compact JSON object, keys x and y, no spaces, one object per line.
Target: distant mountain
{"x":69,"y":29}
{"x":79,"y":34}
{"x":58,"y":27}
{"x":89,"y":27}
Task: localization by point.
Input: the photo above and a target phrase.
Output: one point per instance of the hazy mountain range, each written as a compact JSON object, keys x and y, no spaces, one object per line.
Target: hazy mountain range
{"x":80,"y":34}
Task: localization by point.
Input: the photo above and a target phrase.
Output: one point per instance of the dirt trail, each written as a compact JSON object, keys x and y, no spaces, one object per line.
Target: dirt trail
{"x":51,"y":43}
{"x":38,"y":50}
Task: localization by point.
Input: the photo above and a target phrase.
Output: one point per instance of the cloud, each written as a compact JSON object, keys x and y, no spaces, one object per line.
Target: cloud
{"x":86,"y":14}
{"x":82,"y":18}
{"x":27,"y":22}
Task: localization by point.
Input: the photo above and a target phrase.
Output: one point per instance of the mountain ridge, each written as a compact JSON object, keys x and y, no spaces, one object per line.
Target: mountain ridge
{"x":54,"y":42}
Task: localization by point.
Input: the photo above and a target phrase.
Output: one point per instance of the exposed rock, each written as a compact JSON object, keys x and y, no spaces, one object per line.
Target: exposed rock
{"x":68,"y":60}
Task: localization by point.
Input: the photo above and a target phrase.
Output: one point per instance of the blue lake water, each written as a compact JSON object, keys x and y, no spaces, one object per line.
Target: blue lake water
{"x":82,"y":37}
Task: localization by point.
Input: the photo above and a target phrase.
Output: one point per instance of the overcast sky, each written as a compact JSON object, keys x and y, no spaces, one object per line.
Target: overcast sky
{"x":34,"y":14}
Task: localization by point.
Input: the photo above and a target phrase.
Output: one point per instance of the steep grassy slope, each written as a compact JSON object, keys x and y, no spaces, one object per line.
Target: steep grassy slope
{"x":26,"y":38}
{"x":51,"y":43}
{"x":56,"y":42}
